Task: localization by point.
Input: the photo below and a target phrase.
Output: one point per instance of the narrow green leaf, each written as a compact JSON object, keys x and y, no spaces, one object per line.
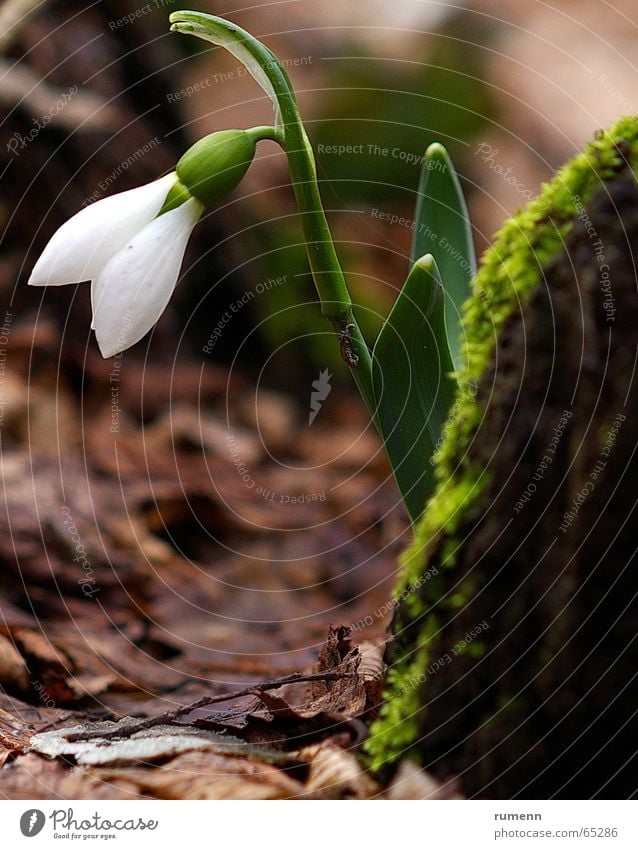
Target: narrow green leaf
{"x":442,"y":228}
{"x":413,"y":386}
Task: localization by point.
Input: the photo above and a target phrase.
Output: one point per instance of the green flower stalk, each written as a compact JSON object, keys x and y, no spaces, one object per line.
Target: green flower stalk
{"x":336,"y":304}
{"x":130,"y":246}
{"x":407,"y":381}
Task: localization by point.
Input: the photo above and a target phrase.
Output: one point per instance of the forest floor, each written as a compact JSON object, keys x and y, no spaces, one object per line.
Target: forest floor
{"x":188,"y":541}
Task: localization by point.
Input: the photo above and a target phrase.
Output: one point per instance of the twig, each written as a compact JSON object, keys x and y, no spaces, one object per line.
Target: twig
{"x":135,"y":726}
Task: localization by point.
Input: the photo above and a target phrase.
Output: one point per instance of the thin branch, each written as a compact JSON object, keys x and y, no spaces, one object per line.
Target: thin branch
{"x":126,"y":729}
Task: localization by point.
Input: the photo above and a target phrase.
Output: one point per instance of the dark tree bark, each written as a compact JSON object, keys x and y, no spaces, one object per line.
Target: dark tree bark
{"x":530,"y":684}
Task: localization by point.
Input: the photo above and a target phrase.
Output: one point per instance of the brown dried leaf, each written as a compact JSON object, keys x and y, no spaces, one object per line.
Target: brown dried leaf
{"x":206,"y":775}
{"x":372,"y":669}
{"x":20,"y":721}
{"x":338,"y":699}
{"x":33,"y":777}
{"x":13,"y":670}
{"x":335,"y":774}
{"x":50,"y":669}
{"x":411,"y":782}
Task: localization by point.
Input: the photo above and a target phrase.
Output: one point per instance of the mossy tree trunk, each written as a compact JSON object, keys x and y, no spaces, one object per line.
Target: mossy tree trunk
{"x":515,"y":657}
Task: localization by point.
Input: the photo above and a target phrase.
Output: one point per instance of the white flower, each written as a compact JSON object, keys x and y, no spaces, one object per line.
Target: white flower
{"x":131,"y":256}
{"x":130,"y":252}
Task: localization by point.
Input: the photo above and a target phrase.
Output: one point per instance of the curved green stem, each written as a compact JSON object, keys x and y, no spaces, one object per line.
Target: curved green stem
{"x":290,"y":133}
{"x":328,"y":277}
{"x":262,"y":133}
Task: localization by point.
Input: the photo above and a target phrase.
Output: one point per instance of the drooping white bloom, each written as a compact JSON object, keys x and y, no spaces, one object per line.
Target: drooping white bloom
{"x":130,"y":253}
{"x":134,"y":287}
{"x":83,"y":245}
{"x":131,"y":245}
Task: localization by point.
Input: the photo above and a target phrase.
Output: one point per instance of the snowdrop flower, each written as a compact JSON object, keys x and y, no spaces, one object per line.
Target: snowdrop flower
{"x":131,"y":245}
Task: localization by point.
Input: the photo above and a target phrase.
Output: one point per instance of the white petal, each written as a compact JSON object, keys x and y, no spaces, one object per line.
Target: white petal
{"x":135,"y":286}
{"x":85,"y":243}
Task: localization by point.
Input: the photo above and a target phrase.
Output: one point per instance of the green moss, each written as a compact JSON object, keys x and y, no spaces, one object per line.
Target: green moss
{"x":510,"y":271}
{"x":401,"y":715}
{"x":475,"y":650}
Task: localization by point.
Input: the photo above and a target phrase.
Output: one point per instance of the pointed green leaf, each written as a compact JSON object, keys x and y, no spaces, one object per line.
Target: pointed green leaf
{"x":413,"y":386}
{"x":442,"y":228}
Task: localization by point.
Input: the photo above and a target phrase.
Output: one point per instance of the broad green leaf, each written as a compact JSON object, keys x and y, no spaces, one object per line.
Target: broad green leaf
{"x":252,"y":54}
{"x":442,"y":228}
{"x":413,"y":386}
